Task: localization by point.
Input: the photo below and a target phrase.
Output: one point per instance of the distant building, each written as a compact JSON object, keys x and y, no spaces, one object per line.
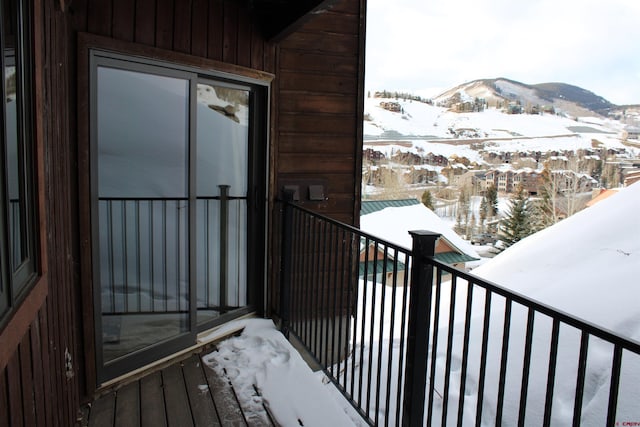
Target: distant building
{"x":631,"y":132}
{"x":391,"y":106}
{"x":529,"y":179}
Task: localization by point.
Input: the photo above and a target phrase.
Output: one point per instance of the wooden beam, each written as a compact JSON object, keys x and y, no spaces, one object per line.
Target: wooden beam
{"x":279,"y":18}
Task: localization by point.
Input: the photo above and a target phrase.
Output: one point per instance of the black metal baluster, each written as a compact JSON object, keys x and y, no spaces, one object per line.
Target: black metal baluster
{"x":616,"y":365}
{"x":551,"y":373}
{"x":372,"y":320}
{"x":503,"y":361}
{"x":526,"y":367}
{"x":434,"y":346}
{"x":164,"y":256}
{"x":447,"y":368}
{"x":483,"y":356}
{"x":152,"y":256}
{"x":582,"y":368}
{"x":383,"y":288}
{"x":402,"y":344}
{"x":138,"y":254}
{"x":364,"y":319}
{"x":224,"y":246}
{"x":465,"y":352}
{"x":394,"y":289}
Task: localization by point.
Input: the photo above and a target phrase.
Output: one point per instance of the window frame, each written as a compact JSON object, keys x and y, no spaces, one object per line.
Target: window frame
{"x":16,"y":283}
{"x":25,"y":289}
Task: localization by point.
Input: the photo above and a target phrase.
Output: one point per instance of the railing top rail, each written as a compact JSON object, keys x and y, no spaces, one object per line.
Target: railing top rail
{"x":351,"y":228}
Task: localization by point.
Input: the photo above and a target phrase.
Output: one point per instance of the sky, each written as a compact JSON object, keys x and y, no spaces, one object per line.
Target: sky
{"x":427,"y":47}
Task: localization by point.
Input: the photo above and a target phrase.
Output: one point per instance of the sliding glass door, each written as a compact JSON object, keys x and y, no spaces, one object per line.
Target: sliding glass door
{"x":172,"y":154}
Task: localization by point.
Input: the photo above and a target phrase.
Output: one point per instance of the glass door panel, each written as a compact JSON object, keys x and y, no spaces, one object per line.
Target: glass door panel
{"x":222,"y":179}
{"x":170,"y":209}
{"x":142,"y":134}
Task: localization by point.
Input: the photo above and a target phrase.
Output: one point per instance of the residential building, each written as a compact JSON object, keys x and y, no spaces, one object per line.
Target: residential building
{"x":120,"y":244}
{"x":393,"y":219}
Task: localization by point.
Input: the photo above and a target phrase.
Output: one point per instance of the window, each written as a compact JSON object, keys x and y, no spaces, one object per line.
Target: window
{"x":17,"y":226}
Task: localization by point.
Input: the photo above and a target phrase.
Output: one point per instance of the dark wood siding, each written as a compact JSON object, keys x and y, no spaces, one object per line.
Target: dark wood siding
{"x":25,"y":390}
{"x":318,"y":120}
{"x":319,"y":115}
{"x":316,"y":112}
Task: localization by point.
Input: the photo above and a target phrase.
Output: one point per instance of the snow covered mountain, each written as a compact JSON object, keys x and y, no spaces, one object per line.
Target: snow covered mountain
{"x":571,"y":99}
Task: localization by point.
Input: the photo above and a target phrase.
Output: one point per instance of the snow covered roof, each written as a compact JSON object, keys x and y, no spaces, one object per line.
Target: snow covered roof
{"x":603,"y":272}
{"x":394,"y":223}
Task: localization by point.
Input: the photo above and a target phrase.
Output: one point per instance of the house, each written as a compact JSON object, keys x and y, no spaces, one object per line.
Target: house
{"x":529,"y":179}
{"x":630,"y":176}
{"x":568,"y":181}
{"x":391,"y":106}
{"x":505,"y":180}
{"x":152,"y":140}
{"x":474,"y":179}
{"x":630,"y":132}
{"x":421,"y":174}
{"x":393,"y":219}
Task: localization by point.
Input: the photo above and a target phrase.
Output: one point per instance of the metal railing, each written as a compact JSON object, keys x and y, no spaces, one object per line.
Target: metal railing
{"x":145,"y":254}
{"x":409,"y":340}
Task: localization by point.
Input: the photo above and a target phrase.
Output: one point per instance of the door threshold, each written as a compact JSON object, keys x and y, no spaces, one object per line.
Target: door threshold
{"x":204,"y":339}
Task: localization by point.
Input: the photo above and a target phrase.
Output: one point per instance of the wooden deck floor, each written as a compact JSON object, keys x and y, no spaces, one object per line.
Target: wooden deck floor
{"x":186,"y":393}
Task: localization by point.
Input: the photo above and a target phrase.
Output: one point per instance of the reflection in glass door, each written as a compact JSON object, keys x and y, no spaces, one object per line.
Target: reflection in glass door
{"x":142,"y":134}
{"x":222,"y":174}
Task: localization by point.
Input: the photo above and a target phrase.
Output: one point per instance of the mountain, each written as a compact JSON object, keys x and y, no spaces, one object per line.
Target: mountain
{"x":562,"y":97}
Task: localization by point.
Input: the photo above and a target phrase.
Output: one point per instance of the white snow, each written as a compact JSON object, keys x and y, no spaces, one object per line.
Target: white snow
{"x":427,"y":128}
{"x":594,"y":254}
{"x":262,"y":357}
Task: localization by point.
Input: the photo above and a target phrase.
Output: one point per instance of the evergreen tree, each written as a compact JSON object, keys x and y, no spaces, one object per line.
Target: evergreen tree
{"x":492,"y":201}
{"x":427,"y":199}
{"x":517,"y":223}
{"x":484,"y":211}
{"x":539,"y":219}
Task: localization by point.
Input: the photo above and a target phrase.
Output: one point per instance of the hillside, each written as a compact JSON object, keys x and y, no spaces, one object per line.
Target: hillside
{"x":564,"y":98}
{"x":423,"y":128}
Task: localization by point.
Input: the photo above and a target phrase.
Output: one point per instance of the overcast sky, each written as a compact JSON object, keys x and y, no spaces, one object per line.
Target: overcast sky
{"x":428,"y":46}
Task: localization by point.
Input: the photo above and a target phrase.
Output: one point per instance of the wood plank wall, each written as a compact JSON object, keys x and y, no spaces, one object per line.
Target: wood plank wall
{"x":320,"y":95}
{"x":34,"y":387}
{"x":316,"y":133}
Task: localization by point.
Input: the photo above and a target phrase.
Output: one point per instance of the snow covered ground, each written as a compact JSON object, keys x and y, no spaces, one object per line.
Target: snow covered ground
{"x":294,"y":395}
{"x":423,"y":125}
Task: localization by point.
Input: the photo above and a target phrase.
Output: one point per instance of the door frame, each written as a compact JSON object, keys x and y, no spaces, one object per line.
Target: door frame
{"x":259,"y":162}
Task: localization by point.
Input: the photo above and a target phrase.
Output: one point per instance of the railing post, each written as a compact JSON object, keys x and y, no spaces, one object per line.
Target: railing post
{"x":285,"y":261}
{"x":415,"y":375}
{"x":224,"y":246}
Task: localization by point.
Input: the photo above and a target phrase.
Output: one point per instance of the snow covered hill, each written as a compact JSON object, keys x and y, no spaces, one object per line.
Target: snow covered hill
{"x":562,"y":97}
{"x":423,"y":128}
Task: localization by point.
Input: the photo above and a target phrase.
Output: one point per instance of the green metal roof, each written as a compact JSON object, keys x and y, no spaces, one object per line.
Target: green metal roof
{"x":379,"y":268}
{"x":371,"y":206}
{"x":453,"y":257}
{"x":444,"y":257}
